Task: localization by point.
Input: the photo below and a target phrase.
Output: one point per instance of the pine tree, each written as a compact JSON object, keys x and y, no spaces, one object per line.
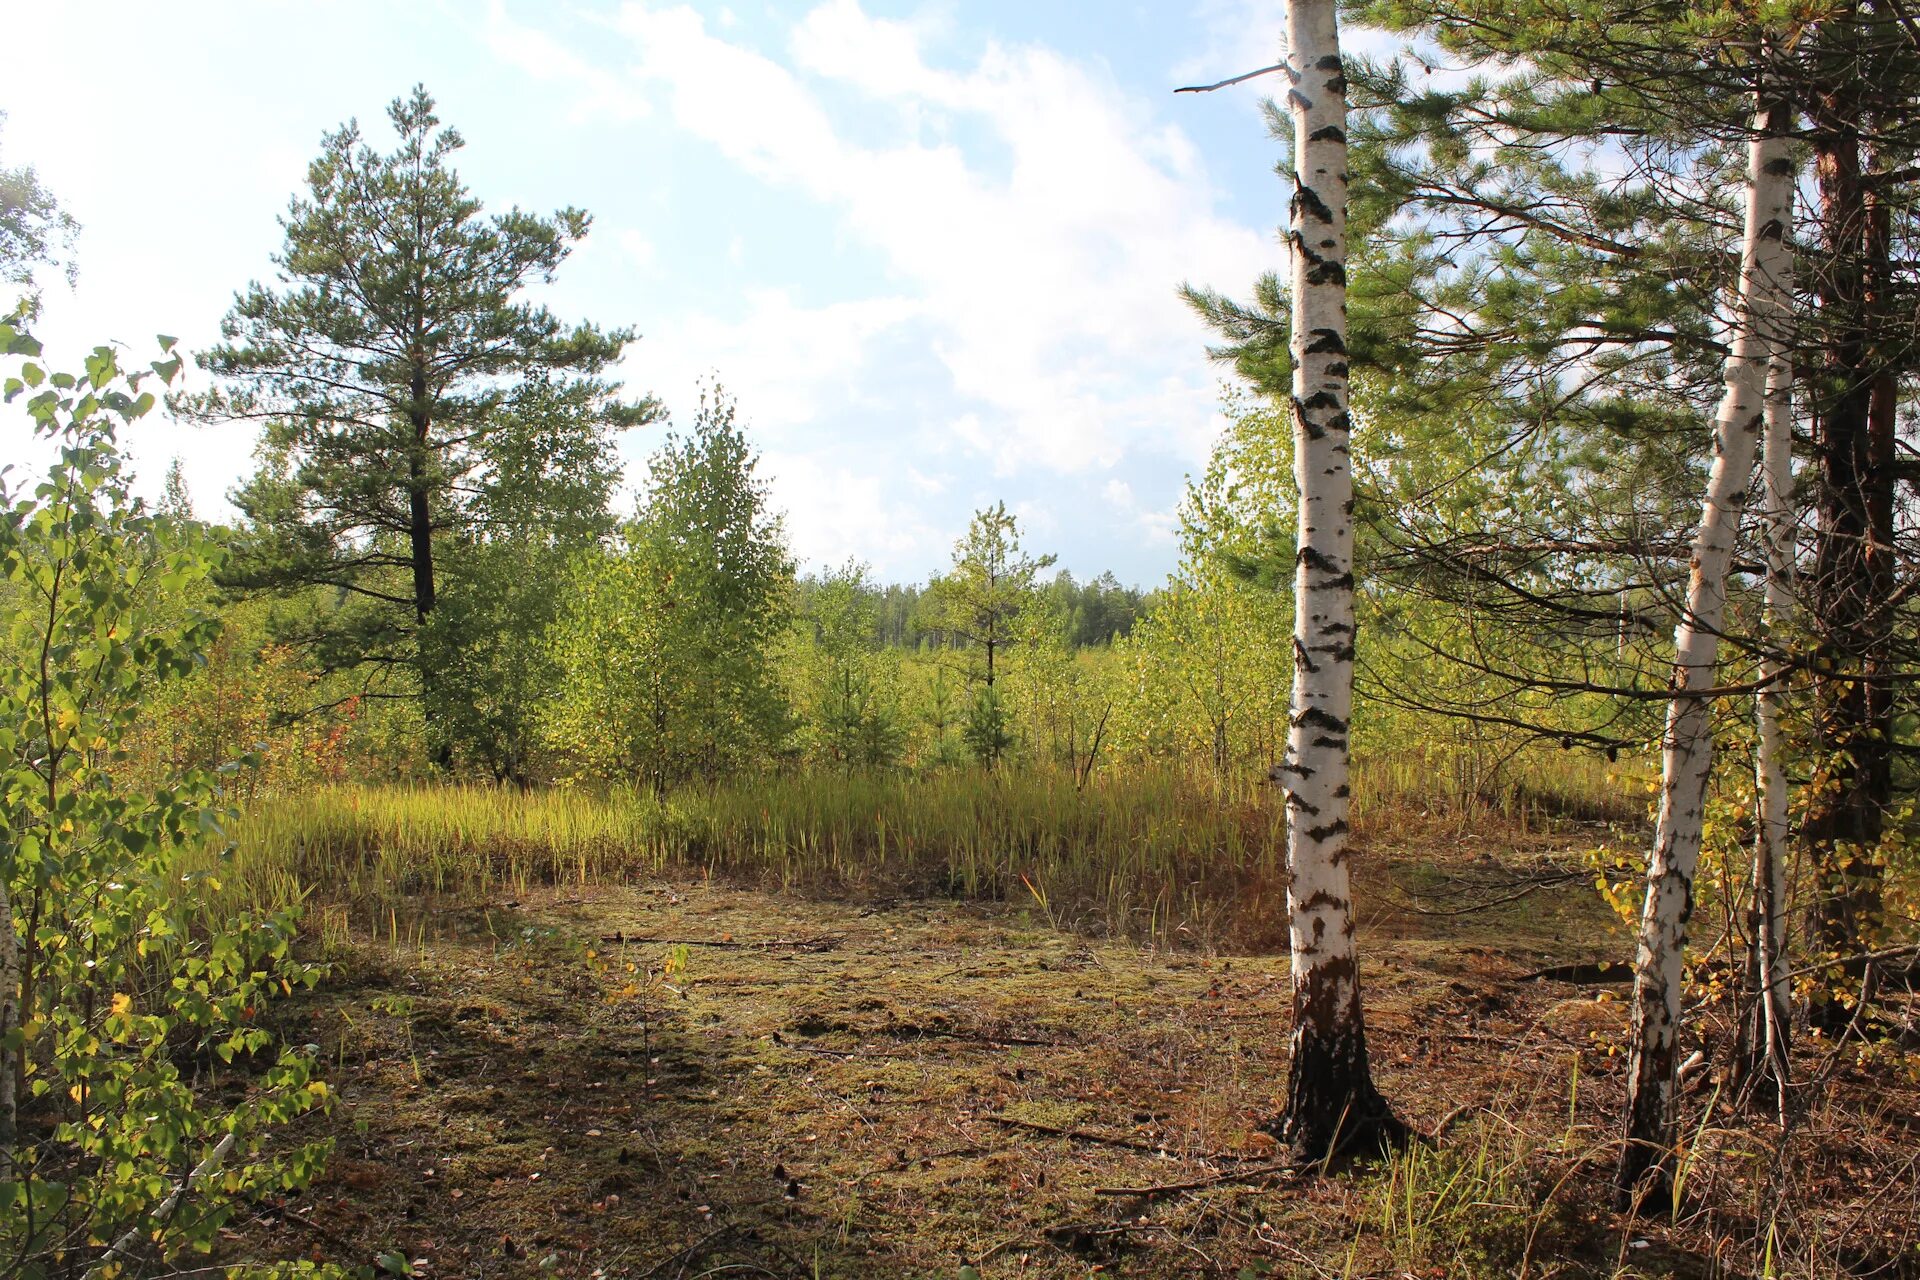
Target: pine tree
{"x":382,"y":364}
{"x":976,"y":605}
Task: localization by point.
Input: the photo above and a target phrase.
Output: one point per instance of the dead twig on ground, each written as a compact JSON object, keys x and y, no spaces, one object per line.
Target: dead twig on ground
{"x":1201,"y":1184}
{"x":1107,"y":1140}
{"x":823,"y":943}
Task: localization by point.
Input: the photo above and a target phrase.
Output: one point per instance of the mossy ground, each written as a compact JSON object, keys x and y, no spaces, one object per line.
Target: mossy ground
{"x":862,"y":1089}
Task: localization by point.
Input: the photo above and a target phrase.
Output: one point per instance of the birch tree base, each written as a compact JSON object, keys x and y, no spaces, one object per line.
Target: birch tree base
{"x":1333,"y":1111}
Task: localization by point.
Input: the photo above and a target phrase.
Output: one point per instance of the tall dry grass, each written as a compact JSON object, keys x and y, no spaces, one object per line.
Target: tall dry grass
{"x":1158,"y":851}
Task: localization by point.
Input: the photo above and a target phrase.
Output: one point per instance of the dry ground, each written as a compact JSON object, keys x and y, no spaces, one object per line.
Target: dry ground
{"x":910,"y":1088}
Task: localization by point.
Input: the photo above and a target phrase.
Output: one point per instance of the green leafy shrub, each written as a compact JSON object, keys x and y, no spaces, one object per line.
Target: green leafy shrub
{"x":119,"y":1022}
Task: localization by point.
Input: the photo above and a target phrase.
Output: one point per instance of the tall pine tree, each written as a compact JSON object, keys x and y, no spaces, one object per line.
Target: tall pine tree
{"x":382,"y":364}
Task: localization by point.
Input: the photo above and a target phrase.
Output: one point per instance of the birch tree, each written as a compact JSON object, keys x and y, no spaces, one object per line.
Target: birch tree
{"x":1645,"y":1175}
{"x":1331,"y":1101}
{"x":1769,"y":1031}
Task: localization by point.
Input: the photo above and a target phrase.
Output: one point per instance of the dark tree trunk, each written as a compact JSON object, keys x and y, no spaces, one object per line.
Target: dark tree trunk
{"x":1853,"y":568}
{"x":420,"y":553}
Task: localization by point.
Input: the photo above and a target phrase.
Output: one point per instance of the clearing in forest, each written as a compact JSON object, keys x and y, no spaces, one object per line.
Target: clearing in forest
{"x":681,"y":1079}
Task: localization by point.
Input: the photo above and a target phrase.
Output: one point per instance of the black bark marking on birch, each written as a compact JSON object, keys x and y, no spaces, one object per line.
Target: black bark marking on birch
{"x":1322,"y":719}
{"x":1324,"y":899}
{"x":1343,"y":791}
{"x":1288,"y":766}
{"x":1326,"y":342}
{"x":1318,"y":560}
{"x":1323,"y":400}
{"x":1301,"y":657}
{"x":1320,"y":269}
{"x":1324,"y":272}
{"x":1328,"y":133}
{"x":1338,"y":369}
{"x":1297,"y":98}
{"x":1324,"y":741}
{"x":1337,"y":827}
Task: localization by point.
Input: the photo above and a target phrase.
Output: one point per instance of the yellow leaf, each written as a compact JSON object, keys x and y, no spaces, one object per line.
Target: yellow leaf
{"x":122,"y":1003}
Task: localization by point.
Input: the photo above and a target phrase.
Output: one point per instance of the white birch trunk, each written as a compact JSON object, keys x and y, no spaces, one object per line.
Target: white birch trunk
{"x":1331,"y":1101}
{"x":1770,"y":839}
{"x":1687,"y":749}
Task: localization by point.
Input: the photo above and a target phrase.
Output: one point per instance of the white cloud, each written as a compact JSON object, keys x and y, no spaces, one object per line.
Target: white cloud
{"x":1157,"y":527}
{"x":786,"y":364}
{"x":835,"y":512}
{"x":600,"y":93}
{"x":1030,"y":221}
{"x":1037,"y":521}
{"x":1047,"y":262}
{"x":638,"y":248}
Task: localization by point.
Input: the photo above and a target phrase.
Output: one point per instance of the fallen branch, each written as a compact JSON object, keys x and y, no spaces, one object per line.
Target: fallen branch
{"x":785,"y":1043}
{"x":772,"y":944}
{"x":1529,"y":887}
{"x":1891,"y":953}
{"x":1200,"y":1184}
{"x":1452,"y":1118}
{"x":980,"y":1037}
{"x":1102,"y":1139}
{"x":1592,"y":974}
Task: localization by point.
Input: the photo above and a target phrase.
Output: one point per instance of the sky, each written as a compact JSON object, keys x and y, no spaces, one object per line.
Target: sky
{"x":933,"y":249}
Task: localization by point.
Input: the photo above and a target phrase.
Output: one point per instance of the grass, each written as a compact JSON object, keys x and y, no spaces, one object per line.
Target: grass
{"x":808,"y":1024}
{"x":1154,"y":852}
